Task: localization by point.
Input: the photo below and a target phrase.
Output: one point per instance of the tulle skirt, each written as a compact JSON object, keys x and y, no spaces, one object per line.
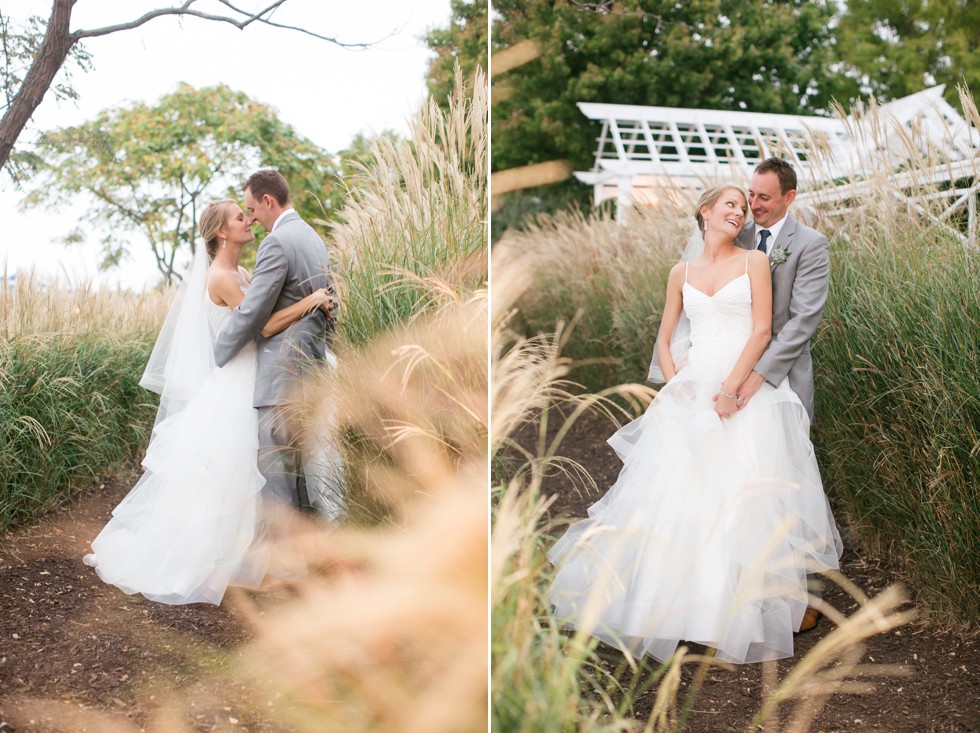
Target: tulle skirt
{"x":187,"y":529}
{"x":710,"y":530}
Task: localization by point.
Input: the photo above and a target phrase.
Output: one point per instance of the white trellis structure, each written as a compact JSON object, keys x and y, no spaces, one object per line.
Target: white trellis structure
{"x":645,"y":149}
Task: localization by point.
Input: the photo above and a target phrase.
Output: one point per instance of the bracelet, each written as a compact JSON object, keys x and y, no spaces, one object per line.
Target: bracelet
{"x":723,"y":393}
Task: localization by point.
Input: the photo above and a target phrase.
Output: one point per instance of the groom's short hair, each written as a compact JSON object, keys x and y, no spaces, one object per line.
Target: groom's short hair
{"x":268,"y":181}
{"x":783,"y":170}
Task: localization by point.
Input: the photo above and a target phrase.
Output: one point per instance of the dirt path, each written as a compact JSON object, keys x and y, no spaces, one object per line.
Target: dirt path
{"x":939,"y":694}
{"x":87,"y":649}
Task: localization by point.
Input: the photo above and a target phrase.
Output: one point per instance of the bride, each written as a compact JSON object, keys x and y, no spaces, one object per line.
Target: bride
{"x":187,"y":529}
{"x":719,"y":513}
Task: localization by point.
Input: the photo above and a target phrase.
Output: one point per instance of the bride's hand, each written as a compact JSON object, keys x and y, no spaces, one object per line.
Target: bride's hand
{"x":725,"y":405}
{"x":326,"y":300}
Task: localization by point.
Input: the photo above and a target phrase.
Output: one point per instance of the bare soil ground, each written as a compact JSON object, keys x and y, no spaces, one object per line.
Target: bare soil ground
{"x":73,"y":650}
{"x":939,"y":692}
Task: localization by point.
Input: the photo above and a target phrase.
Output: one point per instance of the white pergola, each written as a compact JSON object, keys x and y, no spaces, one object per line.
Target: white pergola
{"x":643,"y":149}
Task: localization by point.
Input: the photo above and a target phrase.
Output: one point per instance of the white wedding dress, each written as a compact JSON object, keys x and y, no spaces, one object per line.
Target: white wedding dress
{"x":187,"y":529}
{"x":712,"y":526}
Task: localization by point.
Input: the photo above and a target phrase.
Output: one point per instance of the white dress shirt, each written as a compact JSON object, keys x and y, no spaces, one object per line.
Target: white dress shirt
{"x":279,"y":219}
{"x":773,"y":233}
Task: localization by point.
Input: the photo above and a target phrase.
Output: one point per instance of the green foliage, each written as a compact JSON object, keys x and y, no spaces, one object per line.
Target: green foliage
{"x":463,"y":43}
{"x":898,"y":415}
{"x":71,"y":410}
{"x":898,"y":48}
{"x":715,"y":54}
{"x":21,"y":44}
{"x":70,"y":405}
{"x":150,"y":168}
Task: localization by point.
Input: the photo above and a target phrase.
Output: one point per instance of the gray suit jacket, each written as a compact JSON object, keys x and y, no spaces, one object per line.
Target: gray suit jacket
{"x":292,"y":262}
{"x":799,"y":291}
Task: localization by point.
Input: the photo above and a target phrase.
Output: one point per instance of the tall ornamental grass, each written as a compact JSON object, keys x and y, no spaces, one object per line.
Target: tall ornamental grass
{"x":412,"y":243}
{"x":898,"y":401}
{"x":417,"y":214}
{"x":607,"y":279}
{"x":544,"y":679}
{"x":71,"y":408}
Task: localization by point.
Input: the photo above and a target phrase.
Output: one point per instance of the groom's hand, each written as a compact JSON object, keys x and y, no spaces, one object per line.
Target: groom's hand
{"x":749,"y":387}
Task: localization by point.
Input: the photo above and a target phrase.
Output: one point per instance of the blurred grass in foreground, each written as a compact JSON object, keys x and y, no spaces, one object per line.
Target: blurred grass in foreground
{"x":388,"y":632}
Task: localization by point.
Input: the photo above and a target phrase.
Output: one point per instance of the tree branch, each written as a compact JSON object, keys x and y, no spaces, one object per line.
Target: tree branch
{"x":246,"y":19}
{"x":184,"y":9}
{"x":330,"y":39}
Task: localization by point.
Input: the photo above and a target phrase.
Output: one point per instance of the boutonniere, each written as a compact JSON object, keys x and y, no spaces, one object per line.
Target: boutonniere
{"x":779,"y":255}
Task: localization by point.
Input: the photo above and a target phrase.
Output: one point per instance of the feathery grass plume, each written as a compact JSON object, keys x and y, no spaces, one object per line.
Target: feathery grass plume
{"x":613,"y":276}
{"x":413,"y":242}
{"x":542,"y":679}
{"x":70,"y":405}
{"x":834,"y":666}
{"x":395,"y":625}
{"x":417,"y":206}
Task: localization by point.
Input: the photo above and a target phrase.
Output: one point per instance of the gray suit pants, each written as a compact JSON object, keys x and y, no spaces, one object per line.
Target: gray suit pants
{"x":280,"y":463}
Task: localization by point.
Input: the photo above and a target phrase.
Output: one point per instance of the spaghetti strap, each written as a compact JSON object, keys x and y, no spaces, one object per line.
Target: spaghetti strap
{"x":686,"y":265}
{"x":746,"y":264}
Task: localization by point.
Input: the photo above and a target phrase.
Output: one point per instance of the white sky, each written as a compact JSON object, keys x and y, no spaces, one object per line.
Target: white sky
{"x":326,"y":93}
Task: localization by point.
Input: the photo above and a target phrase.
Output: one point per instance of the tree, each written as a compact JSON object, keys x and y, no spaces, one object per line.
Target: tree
{"x":716,"y":54}
{"x":898,"y":48}
{"x":149,"y":169}
{"x":20,"y":45}
{"x":59,"y":42}
{"x":464,"y":42}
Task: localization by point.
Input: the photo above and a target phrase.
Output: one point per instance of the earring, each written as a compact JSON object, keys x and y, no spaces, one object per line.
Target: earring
{"x":224,"y":243}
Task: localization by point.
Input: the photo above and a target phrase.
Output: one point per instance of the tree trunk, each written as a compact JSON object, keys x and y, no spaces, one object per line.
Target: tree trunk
{"x":58,"y":41}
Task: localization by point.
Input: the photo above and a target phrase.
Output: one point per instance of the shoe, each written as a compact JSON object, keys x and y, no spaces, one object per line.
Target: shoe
{"x":811,"y":617}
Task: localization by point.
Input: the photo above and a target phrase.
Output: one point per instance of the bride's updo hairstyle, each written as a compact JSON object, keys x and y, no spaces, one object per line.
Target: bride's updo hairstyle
{"x":710,"y":197}
{"x":214,"y":217}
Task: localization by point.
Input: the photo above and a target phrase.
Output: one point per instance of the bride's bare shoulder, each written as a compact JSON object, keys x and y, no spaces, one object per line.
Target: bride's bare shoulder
{"x":676,"y":275}
{"x":223,"y":286}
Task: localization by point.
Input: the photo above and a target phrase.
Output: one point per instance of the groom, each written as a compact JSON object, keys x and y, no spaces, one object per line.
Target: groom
{"x":800,"y":260}
{"x":291,"y":264}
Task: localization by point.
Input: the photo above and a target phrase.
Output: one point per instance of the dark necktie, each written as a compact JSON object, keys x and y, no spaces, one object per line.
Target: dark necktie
{"x":763,"y":236}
